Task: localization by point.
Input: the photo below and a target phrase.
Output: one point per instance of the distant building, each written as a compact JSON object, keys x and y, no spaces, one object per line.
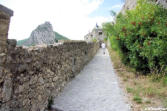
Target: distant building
{"x":96,"y":34}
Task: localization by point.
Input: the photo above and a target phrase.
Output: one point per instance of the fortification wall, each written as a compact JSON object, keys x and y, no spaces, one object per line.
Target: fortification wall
{"x":30,"y":76}
{"x":5,"y":15}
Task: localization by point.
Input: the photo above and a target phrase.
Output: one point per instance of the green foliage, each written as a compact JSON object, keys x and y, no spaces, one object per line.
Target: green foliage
{"x":105,"y":39}
{"x":50,"y":103}
{"x":60,"y":37}
{"x":113,"y":13}
{"x":114,"y":43}
{"x":165,"y":101}
{"x":165,"y":81}
{"x":94,"y":40}
{"x":138,"y":99}
{"x":129,"y":90}
{"x":21,"y":42}
{"x":57,"y":37}
{"x":141,"y":36}
{"x":150,"y":91}
{"x":107,"y":28}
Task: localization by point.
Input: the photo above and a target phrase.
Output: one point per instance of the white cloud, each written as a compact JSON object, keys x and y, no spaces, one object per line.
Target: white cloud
{"x":68,"y":17}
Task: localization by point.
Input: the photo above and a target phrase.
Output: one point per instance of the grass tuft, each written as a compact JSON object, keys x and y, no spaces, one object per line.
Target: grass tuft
{"x":137,"y":99}
{"x":165,"y":81}
{"x":129,"y":90}
{"x":151,"y":87}
{"x":148,"y":102}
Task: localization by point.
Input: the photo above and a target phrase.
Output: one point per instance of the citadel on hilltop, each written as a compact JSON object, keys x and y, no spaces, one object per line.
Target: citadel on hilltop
{"x":97,"y":34}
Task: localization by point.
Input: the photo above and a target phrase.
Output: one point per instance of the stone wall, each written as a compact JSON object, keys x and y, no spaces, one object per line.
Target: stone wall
{"x":96,"y":34}
{"x":5,"y":15}
{"x":29,"y":76}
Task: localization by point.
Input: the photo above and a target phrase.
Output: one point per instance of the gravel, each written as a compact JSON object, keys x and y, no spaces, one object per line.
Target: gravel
{"x":96,"y":88}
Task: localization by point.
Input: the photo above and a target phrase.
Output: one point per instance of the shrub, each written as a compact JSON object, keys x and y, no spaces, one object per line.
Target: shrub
{"x":141,"y":36}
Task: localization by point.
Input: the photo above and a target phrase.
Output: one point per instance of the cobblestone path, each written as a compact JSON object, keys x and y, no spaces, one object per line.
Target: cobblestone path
{"x":96,"y":88}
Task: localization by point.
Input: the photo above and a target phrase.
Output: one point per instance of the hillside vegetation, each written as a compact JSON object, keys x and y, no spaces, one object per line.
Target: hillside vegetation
{"x":57,"y":37}
{"x":140,"y":37}
{"x":42,"y":34}
{"x":138,"y":49}
{"x":21,"y":42}
{"x":60,"y":37}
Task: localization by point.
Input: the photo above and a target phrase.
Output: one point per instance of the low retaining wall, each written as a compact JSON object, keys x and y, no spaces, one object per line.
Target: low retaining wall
{"x":29,"y":76}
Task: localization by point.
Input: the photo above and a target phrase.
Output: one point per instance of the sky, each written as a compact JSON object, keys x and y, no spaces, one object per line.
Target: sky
{"x":71,"y":18}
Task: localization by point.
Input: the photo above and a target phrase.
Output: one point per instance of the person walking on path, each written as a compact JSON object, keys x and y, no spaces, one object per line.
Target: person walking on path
{"x":103,"y":46}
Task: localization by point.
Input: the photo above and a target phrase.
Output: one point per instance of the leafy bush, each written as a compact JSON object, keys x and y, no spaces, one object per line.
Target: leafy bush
{"x":141,"y":36}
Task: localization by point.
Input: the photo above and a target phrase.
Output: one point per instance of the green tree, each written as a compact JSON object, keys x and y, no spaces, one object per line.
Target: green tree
{"x":141,"y":36}
{"x":113,"y":13}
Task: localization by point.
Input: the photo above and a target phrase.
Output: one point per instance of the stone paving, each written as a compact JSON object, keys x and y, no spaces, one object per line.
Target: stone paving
{"x":96,"y":88}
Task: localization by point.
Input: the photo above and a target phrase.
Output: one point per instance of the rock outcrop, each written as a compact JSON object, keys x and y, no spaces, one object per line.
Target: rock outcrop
{"x":43,"y":34}
{"x":131,"y":4}
{"x":162,"y":2}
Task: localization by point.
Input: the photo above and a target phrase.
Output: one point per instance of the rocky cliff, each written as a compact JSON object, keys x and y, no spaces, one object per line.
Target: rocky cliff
{"x":131,"y":4}
{"x":43,"y":34}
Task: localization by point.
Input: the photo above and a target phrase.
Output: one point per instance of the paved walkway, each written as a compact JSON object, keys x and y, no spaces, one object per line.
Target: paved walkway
{"x":96,"y":88}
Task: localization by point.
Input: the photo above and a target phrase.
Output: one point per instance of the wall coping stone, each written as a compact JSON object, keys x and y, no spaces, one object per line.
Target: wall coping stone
{"x":6,"y":10}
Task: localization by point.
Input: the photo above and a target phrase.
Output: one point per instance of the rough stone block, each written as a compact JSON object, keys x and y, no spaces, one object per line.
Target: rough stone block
{"x":7,"y":90}
{"x":38,"y":73}
{"x":4,"y":26}
{"x":2,"y":48}
{"x":3,"y":37}
{"x":12,"y":42}
{"x":6,"y":10}
{"x":2,"y":58}
{"x":3,"y":15}
{"x":3,"y":42}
